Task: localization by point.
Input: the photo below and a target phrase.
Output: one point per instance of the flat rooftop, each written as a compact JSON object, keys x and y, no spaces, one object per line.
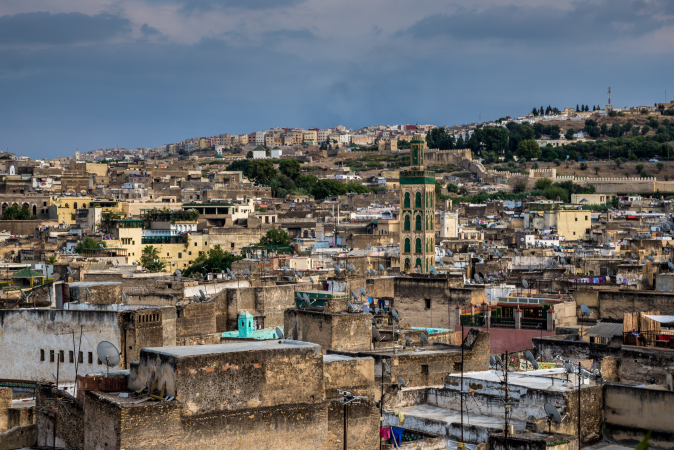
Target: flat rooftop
{"x":197,"y":350}
{"x":533,"y":379}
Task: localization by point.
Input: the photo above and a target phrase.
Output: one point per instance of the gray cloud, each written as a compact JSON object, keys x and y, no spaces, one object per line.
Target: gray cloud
{"x":291,"y":34}
{"x":62,"y":28}
{"x":148,"y":31}
{"x":200,"y":6}
{"x":586,"y":21}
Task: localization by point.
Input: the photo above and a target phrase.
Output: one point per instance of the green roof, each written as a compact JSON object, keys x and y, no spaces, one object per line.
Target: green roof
{"x":27,"y":273}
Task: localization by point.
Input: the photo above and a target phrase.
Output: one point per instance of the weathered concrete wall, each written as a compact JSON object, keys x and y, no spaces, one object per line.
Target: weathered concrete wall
{"x":509,"y":339}
{"x":635,"y":365}
{"x":615,"y":304}
{"x":105,"y":293}
{"x":630,"y":412}
{"x":340,"y":332}
{"x":412,"y":293}
{"x":195,"y":319}
{"x":70,"y":430}
{"x":33,"y":331}
{"x":270,"y":301}
{"x":25,"y":227}
{"x":18,"y":437}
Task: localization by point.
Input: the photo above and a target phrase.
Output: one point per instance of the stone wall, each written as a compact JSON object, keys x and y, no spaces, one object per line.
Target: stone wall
{"x":270,"y":301}
{"x":630,"y":412}
{"x":340,"y":332}
{"x":412,"y":293}
{"x":615,"y":304}
{"x":195,"y":319}
{"x":26,"y":227}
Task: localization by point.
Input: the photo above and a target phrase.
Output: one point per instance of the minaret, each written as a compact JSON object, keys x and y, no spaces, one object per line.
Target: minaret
{"x":77,"y":154}
{"x":417,"y":212}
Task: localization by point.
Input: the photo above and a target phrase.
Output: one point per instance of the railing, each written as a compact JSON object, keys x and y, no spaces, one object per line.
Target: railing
{"x":503,"y":322}
{"x":148,"y":240}
{"x":472,"y":321}
{"x":663,"y":339}
{"x":537,"y":324}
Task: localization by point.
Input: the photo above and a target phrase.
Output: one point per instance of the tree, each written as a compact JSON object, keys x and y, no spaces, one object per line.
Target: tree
{"x":534,"y":111}
{"x":577,"y":108}
{"x":240,"y":165}
{"x":583,"y":166}
{"x":639,"y":168}
{"x":275,"y":237}
{"x":519,"y":188}
{"x":569,"y":134}
{"x":438,"y":188}
{"x":149,"y":259}
{"x":216,"y":261}
{"x":597,"y":169}
{"x":660,"y":166}
{"x":628,"y":173}
{"x":249,"y":155}
{"x":261,"y":171}
{"x":619,"y":162}
{"x":52,"y":260}
{"x":666,"y":177}
{"x":542,"y":184}
{"x":289,"y":168}
{"x":89,"y":243}
{"x":645,"y":129}
{"x":528,"y":149}
{"x":534,"y":166}
{"x":557,"y":162}
{"x":604,"y":129}
{"x":16,"y":213}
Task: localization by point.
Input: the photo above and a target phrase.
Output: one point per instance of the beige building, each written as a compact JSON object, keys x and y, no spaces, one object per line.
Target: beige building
{"x":571,"y":224}
{"x":591,"y":199}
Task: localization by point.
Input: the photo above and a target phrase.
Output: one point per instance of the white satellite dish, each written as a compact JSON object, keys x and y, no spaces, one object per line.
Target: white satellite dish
{"x":108,"y":354}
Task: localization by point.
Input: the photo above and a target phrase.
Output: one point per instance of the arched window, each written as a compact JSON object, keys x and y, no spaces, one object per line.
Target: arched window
{"x":407,"y":245}
{"x":426,"y":264}
{"x":34,"y":210}
{"x":418,"y":263}
{"x":418,"y":246}
{"x":431,"y":199}
{"x":407,"y":223}
{"x":407,"y":200}
{"x":427,"y":227}
{"x":75,"y":205}
{"x":414,"y":155}
{"x":431,"y":221}
{"x":417,"y":225}
{"x":407,"y":264}
{"x":417,"y":200}
{"x":84,"y":205}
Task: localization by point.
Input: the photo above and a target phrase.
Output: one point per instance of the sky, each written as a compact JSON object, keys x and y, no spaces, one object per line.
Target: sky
{"x":93,"y":74}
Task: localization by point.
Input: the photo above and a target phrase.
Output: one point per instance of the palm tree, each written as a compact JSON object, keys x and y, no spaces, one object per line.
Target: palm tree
{"x":150,"y":259}
{"x":274,"y":184}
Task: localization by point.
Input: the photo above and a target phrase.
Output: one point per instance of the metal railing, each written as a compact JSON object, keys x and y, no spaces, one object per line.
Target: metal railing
{"x":649,"y":338}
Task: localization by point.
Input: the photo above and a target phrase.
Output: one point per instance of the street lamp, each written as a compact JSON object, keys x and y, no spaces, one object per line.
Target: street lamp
{"x":348,"y":397}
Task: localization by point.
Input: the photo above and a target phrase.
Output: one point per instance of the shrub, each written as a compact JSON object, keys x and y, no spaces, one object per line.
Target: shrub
{"x":583,"y":166}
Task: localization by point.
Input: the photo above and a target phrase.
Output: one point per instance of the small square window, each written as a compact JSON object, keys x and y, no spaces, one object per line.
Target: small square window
{"x":180,"y":255}
{"x":90,"y":358}
{"x":41,"y":354}
{"x":457,"y":367}
{"x":574,"y":233}
{"x":576,"y":219}
{"x":71,"y":356}
{"x":51,"y":356}
{"x":195,"y":244}
{"x":585,"y":217}
{"x":428,"y":303}
{"x":80,"y":358}
{"x":62,"y":356}
{"x":424,"y":369}
{"x":232,"y":244}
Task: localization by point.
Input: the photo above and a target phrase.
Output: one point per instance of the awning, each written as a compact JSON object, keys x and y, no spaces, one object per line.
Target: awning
{"x":661,"y":319}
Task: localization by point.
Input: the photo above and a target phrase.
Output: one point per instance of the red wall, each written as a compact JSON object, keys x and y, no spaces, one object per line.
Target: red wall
{"x":502,"y":339}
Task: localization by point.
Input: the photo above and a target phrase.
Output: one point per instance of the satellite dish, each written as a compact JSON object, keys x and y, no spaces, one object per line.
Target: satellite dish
{"x":88,"y":292}
{"x":23,"y":294}
{"x":665,"y":288}
{"x":179,"y":273}
{"x":531,"y":359}
{"x":670,"y":265}
{"x":585,"y":310}
{"x":633,"y":256}
{"x":477,"y":278}
{"x":408,"y":342}
{"x":279,"y":333}
{"x":337,"y":269}
{"x":196,"y":298}
{"x":424,"y":339}
{"x":123,"y":296}
{"x":298,"y":295}
{"x":492,"y":361}
{"x":449,"y":253}
{"x":381,"y":267}
{"x":552,"y":413}
{"x":433,"y":271}
{"x":632,"y":244}
{"x":562,"y":260}
{"x":394,"y":313}
{"x":311,"y":279}
{"x":375,"y":334}
{"x":350,"y":306}
{"x":650,"y":258}
{"x":499,"y":363}
{"x":246,"y":271}
{"x":366,"y":308}
{"x":70,"y":272}
{"x":362,"y":291}
{"x":525,"y":283}
{"x":108,"y":353}
{"x":402,"y":382}
{"x":202,"y":295}
{"x":353,"y":294}
{"x":305,"y":297}
{"x":229,"y":271}
{"x":234,"y":276}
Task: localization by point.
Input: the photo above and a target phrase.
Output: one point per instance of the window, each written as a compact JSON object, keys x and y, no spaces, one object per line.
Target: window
{"x":99,"y":361}
{"x":51,"y":356}
{"x":232,"y":244}
{"x":80,"y":358}
{"x":71,"y":356}
{"x":417,"y":200}
{"x":417,"y":225}
{"x":195,"y":244}
{"x":417,"y":247}
{"x":574,"y":233}
{"x":424,"y":369}
{"x":180,"y":255}
{"x":407,"y":245}
{"x":407,"y":200}
{"x":457,"y":367}
{"x":585,"y":217}
{"x":168,"y":254}
{"x":576,"y":219}
{"x":90,"y":358}
{"x":62,"y":356}
{"x":41,"y":354}
{"x":428,"y":303}
{"x":407,"y":223}
{"x":189,"y":253}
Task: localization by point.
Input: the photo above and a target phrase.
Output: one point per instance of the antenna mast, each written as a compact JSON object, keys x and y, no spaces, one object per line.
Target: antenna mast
{"x":609,"y":102}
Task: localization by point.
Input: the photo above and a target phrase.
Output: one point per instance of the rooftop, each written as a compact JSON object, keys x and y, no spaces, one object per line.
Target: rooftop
{"x":198,"y":350}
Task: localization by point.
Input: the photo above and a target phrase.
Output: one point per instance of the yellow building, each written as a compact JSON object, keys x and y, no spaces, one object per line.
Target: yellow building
{"x":67,"y":206}
{"x":571,"y":224}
